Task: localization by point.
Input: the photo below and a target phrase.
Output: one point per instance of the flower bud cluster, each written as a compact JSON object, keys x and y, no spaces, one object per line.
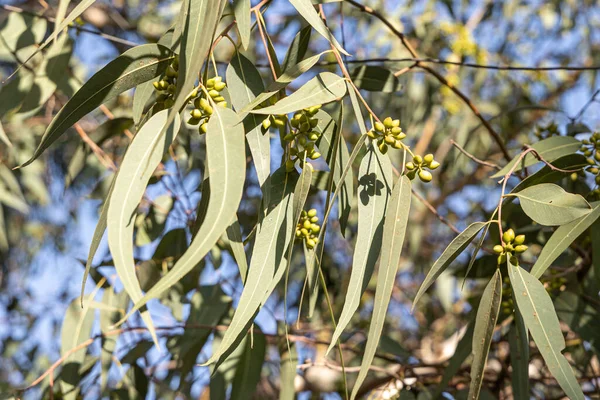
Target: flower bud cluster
{"x":308,"y":228}
{"x":202,"y":107}
{"x":166,"y":86}
{"x":303,"y":136}
{"x":420,"y":166}
{"x":511,"y":245}
{"x":591,"y":149}
{"x":544,"y":132}
{"x":387,"y":133}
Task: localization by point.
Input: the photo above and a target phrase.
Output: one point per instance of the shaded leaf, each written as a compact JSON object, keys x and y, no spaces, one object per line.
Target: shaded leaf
{"x":249,"y":368}
{"x":375,"y":79}
{"x":308,"y":12}
{"x":540,"y":318}
{"x":236,"y":244}
{"x":550,"y":204}
{"x":241,"y":9}
{"x":297,"y":49}
{"x":394,"y":230}
{"x":518,"y":340}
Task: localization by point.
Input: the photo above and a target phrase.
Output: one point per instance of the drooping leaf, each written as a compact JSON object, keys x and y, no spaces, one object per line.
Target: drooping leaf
{"x":226,"y":159}
{"x":562,"y":238}
{"x":245,"y":83}
{"x":282,"y":81}
{"x":535,"y":304}
{"x":394,"y":230}
{"x":116,"y":305}
{"x":131,"y":68}
{"x":288,"y":361}
{"x":297,"y":49}
{"x":249,"y":368}
{"x":375,"y":79}
{"x":323,"y":88}
{"x":326,"y":144}
{"x":549,"y":204}
{"x":308,"y":12}
{"x":518,"y":340}
{"x":485,"y":322}
{"x":241,"y":8}
{"x":457,"y":246}
{"x":549,"y":149}
{"x":274,"y":234}
{"x":141,"y":159}
{"x":374,"y":189}
{"x":236,"y":244}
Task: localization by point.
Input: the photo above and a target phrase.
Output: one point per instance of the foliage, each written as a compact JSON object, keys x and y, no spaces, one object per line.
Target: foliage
{"x":264,"y":238}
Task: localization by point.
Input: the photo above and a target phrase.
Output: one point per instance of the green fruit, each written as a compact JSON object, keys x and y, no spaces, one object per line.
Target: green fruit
{"x":314,"y":123}
{"x":418,"y":160}
{"x":289,"y":165}
{"x":383,"y":148}
{"x":390,"y":140}
{"x":307,"y":224}
{"x":410,"y":166}
{"x":315,"y":228}
{"x":501,"y":259}
{"x":396,"y":131}
{"x":208,"y":110}
{"x":574,"y":176}
{"x":425,"y":176}
{"x":379,"y":127}
{"x":521,"y":248}
{"x":203,"y":128}
{"x":314,"y":136}
{"x":508,"y":236}
{"x":266,"y":124}
{"x":314,"y":219}
{"x":315,"y":155}
{"x":196,"y":113}
{"x":396,"y":123}
{"x":171,"y":89}
{"x":434,"y":165}
{"x":388,"y":122}
{"x":193,"y":121}
{"x":220,"y":86}
{"x":498,"y":249}
{"x":397,"y":144}
{"x":298,"y":233}
{"x":371,"y":134}
{"x":169,"y":102}
{"x":210,"y":83}
{"x":310,"y":243}
{"x":213,"y":93}
{"x":519,"y":240}
{"x":593,"y":170}
{"x":156,"y":85}
{"x":222,"y":104}
{"x":312,"y":212}
{"x":428,"y":158}
{"x":171,"y":72}
{"x":304,"y":231}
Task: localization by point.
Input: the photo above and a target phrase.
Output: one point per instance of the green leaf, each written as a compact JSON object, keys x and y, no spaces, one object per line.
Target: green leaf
{"x":562,"y":238}
{"x":249,"y":368}
{"x":549,"y":149}
{"x":549,"y":204}
{"x":457,"y":246}
{"x":374,"y":188}
{"x":141,"y":159}
{"x":323,"y":88}
{"x":375,"y":79}
{"x":288,"y":361}
{"x":540,"y":318}
{"x":226,"y":161}
{"x":131,"y":68}
{"x":485,"y":322}
{"x":518,"y":340}
{"x":245,"y":83}
{"x":19,"y":35}
{"x":274,"y":234}
{"x":298,"y":48}
{"x":283,"y":81}
{"x":308,"y":12}
{"x":394,"y":230}
{"x":236,"y":244}
{"x":241,"y":9}
{"x":116,"y":306}
{"x":76,"y":329}
{"x":326,"y":144}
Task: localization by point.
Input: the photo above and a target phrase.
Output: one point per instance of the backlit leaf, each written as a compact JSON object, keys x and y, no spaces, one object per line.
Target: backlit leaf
{"x":308,"y":12}
{"x":298,"y":48}
{"x":375,"y":79}
{"x":241,"y":8}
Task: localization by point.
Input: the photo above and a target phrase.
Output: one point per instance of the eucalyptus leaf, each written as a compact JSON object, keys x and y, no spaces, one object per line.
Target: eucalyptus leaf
{"x":247,"y":375}
{"x":518,"y":340}
{"x":540,"y":318}
{"x":308,"y":12}
{"x":297,"y":49}
{"x":241,"y":8}
{"x":394,"y":230}
{"x":375,"y":79}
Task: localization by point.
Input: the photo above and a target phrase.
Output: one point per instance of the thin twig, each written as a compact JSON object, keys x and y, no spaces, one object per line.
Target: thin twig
{"x":472,"y":157}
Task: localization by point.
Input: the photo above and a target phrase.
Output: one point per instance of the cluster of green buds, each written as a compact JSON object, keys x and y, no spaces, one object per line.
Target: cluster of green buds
{"x":387,"y":134}
{"x":511,"y":245}
{"x":591,"y":149}
{"x":302,"y":137}
{"x":202,"y":109}
{"x":555,"y":284}
{"x":278,"y":120}
{"x":308,"y":228}
{"x":507,"y":303}
{"x":420,"y":165}
{"x":546,"y":131}
{"x":166,"y":86}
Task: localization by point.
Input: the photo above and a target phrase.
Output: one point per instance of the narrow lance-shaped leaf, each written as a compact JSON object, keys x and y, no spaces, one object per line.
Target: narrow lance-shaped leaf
{"x":116,"y":307}
{"x":298,"y":48}
{"x":131,"y":68}
{"x":562,"y":238}
{"x":549,"y":204}
{"x":141,"y":159}
{"x":282,"y":81}
{"x":375,"y":79}
{"x":457,"y":246}
{"x":323,"y":88}
{"x":485,"y":322}
{"x":274,"y":234}
{"x":549,"y":149}
{"x":394,"y":230}
{"x":237,"y":247}
{"x":535,"y":304}
{"x":518,"y":340}
{"x":245,"y":83}
{"x":249,"y":368}
{"x":241,"y":9}
{"x":226,"y":158}
{"x":307,"y":10}
{"x":374,"y":187}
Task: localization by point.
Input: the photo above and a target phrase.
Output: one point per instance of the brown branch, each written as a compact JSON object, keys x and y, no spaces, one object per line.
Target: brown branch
{"x":472,"y":157}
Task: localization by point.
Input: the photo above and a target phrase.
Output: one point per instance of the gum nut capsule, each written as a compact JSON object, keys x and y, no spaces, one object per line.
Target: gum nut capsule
{"x":591,"y":161}
{"x":304,"y":232}
{"x":193,"y":121}
{"x":401,"y":136}
{"x":520,"y":239}
{"x":598,"y":179}
{"x":425,"y":176}
{"x":428,"y":158}
{"x":213,"y":93}
{"x":587,"y":152}
{"x":315,"y":155}
{"x":171,"y":89}
{"x":298,"y":233}
{"x":314,"y":122}
{"x":169,"y":102}
{"x":194,"y":93}
{"x":397,"y":144}
{"x":396,"y":123}
{"x":390,"y":140}
{"x":410,"y":166}
{"x":314,"y":219}
{"x":222,"y":104}
{"x":521,"y":248}
{"x":498,"y":249}
{"x":196,"y":113}
{"x":312,"y":212}
{"x":289,"y":165}
{"x":306,"y":224}
{"x":304,"y":127}
{"x":371,"y":134}
{"x":266,"y":124}
{"x":297,"y":116}
{"x":418,"y":160}
{"x":501,"y":258}
{"x":219,"y":99}
{"x":388,"y":122}
{"x":593,"y":170}
{"x":508,"y":236}
{"x":434,"y":165}
{"x":280,"y":120}
{"x":379,"y":127}
{"x":156,"y":85}
{"x":314,"y":136}
{"x":210,"y":83}
{"x":289,"y":137}
{"x":171,"y":72}
{"x":293,"y":151}
{"x":204,"y":128}
{"x":383,"y":148}
{"x":315,"y":228}
{"x":220,"y":86}
{"x":209,"y":110}
{"x":396,"y":131}
{"x":302,"y":140}
{"x":295,"y":122}
{"x":310,"y":243}
{"x":597,"y":155}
